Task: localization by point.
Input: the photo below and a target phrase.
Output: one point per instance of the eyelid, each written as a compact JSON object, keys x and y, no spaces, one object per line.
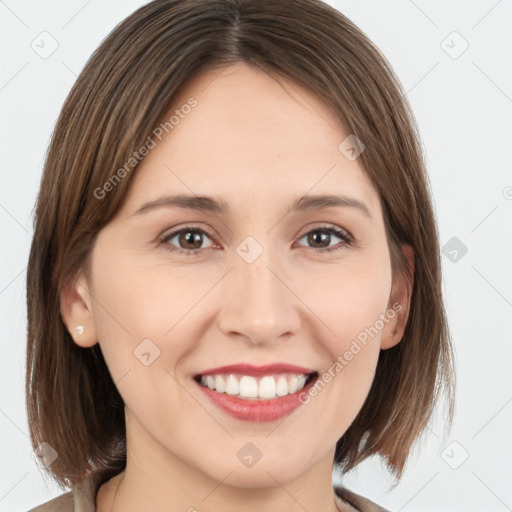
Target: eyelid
{"x":326,"y":226}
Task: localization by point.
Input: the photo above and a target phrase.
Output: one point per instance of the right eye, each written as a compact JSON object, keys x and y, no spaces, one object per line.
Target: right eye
{"x":188,"y":239}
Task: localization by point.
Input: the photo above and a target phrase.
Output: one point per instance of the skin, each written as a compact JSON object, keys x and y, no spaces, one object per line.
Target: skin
{"x":260,"y":144}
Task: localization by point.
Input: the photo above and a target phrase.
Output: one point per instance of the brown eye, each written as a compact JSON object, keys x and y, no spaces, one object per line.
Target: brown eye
{"x":188,"y":240}
{"x":320,"y":238}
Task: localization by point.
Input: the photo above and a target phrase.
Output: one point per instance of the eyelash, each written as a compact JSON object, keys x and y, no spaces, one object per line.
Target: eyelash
{"x":163,"y":241}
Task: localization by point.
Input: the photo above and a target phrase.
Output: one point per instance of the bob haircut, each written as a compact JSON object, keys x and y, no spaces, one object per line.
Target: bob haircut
{"x":120,"y":97}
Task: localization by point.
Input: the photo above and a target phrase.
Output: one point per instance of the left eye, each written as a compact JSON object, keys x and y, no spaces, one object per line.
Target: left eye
{"x":189,"y":240}
{"x":326,"y":234}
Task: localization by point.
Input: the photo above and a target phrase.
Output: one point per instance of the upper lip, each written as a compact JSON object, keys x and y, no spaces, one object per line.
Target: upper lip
{"x":256,"y":371}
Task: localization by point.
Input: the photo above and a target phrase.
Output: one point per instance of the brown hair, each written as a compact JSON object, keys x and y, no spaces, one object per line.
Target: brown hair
{"x":117,"y":101}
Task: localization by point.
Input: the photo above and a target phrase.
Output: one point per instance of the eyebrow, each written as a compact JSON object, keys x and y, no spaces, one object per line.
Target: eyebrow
{"x":220,"y":207}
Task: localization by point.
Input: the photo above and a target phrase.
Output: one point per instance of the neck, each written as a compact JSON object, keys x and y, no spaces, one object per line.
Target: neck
{"x":157,"y":480}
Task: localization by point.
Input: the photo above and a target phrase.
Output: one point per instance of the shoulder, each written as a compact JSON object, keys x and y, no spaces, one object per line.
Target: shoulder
{"x":81,"y":497}
{"x":358,"y":502}
{"x":63,"y":503}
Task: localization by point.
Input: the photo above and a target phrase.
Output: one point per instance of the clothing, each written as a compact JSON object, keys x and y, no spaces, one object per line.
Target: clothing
{"x":82,"y":499}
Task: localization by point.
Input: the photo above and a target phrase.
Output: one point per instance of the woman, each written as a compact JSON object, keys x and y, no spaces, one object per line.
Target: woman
{"x":234,"y":282}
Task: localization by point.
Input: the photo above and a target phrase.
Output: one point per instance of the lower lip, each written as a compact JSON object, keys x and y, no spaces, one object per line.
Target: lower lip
{"x":256,"y":410}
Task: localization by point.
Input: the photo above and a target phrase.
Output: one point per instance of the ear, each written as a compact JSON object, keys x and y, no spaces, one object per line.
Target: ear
{"x":76,"y":311}
{"x":399,"y":302}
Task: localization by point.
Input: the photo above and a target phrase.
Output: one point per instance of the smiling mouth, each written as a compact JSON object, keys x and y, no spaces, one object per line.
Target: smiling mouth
{"x":248,"y":387}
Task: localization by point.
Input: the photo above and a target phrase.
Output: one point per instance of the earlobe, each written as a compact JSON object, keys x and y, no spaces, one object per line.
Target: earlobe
{"x":399,"y":303}
{"x":76,"y":312}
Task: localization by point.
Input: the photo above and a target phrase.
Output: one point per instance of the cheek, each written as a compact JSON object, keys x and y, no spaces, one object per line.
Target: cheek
{"x":351,"y":304}
{"x":139,"y":315}
{"x":147,"y":318}
{"x":141,"y":299}
{"x":350,"y":300}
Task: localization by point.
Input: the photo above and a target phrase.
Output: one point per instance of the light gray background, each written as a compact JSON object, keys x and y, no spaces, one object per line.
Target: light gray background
{"x":463,"y":104}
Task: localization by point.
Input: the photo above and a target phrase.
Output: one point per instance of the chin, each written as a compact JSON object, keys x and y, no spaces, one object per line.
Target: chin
{"x":262,"y":471}
{"x":255,"y":477}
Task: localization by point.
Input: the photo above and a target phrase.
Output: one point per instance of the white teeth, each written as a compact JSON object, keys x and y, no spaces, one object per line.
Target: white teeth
{"x":282,"y":387}
{"x":249,"y":387}
{"x":232,"y":386}
{"x":220,"y":385}
{"x":293,"y":385}
{"x":267,"y":388}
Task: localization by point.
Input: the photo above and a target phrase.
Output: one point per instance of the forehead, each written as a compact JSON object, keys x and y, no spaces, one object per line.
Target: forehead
{"x":250,"y":136}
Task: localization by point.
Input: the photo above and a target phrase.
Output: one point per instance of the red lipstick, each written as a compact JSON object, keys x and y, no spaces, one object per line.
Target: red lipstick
{"x":258,"y":371}
{"x":257,"y":410}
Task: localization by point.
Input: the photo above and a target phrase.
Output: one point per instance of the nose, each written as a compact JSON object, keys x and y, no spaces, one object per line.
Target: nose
{"x":258,"y":302}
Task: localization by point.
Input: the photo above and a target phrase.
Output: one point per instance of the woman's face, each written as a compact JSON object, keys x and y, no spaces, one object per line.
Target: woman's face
{"x":250,"y":284}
